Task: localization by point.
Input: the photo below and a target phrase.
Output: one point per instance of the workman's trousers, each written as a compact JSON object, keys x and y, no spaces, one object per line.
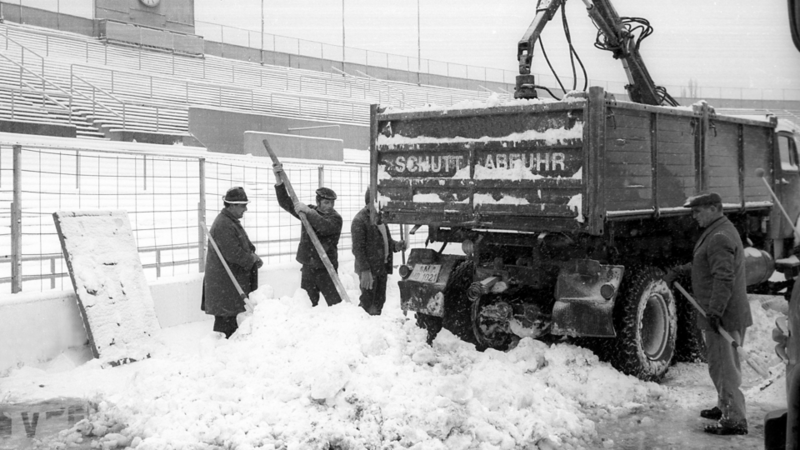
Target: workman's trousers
{"x":726,"y":373}
{"x":372,"y":300}
{"x":226,"y":324}
{"x":317,"y":281}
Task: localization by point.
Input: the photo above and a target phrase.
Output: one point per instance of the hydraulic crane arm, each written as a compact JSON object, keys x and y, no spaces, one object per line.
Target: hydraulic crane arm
{"x":625,"y":47}
{"x":615,"y":35}
{"x":545,"y":10}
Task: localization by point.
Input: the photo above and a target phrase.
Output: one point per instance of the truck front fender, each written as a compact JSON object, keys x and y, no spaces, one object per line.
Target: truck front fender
{"x":585,"y":294}
{"x":423,"y":290}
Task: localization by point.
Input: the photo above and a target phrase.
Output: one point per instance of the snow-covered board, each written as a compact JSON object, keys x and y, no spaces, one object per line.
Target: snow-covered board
{"x":113,"y":295}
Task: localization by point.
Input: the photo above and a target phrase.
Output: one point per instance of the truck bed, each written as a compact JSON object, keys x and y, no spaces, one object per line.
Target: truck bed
{"x":563,"y":166}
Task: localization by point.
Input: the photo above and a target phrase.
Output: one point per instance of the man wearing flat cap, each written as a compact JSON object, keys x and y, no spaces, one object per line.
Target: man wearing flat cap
{"x":719,"y":285}
{"x":220,"y":297}
{"x":327,"y":225}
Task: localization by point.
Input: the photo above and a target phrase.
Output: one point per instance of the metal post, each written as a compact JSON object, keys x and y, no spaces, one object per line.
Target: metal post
{"x":321,"y":175}
{"x":201,"y":216}
{"x":343,"y":44}
{"x":262,"y":32}
{"x":16,"y":224}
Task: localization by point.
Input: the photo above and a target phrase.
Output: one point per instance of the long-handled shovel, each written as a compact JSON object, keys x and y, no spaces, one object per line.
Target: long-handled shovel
{"x":311,"y":233}
{"x":242,"y":295}
{"x":739,"y":349}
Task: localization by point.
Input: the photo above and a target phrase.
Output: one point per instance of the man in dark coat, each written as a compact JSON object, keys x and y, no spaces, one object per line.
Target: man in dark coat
{"x":220,"y":297}
{"x":719,"y":285}
{"x":373,"y":247}
{"x":327,"y":225}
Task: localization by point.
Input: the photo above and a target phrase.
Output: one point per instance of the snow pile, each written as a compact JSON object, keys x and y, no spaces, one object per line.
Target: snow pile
{"x":493,"y":100}
{"x":302,"y":377}
{"x":296,"y":377}
{"x":550,"y":136}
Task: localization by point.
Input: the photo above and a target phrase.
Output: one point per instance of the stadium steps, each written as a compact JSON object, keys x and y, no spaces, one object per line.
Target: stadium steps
{"x":175,"y":92}
{"x":167,"y":85}
{"x":240,"y":73}
{"x":22,"y":100}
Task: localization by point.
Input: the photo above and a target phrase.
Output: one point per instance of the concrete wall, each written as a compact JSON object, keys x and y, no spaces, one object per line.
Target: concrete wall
{"x":223,"y":131}
{"x":36,"y":327}
{"x":328,"y":65}
{"x":42,"y":129}
{"x":47,"y":19}
{"x":175,"y":15}
{"x":290,"y":146}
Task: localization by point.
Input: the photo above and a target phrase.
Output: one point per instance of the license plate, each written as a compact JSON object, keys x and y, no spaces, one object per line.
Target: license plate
{"x":426,"y":273}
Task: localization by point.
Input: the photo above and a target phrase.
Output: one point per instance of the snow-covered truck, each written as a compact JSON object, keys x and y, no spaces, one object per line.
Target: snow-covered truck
{"x":565,"y":214}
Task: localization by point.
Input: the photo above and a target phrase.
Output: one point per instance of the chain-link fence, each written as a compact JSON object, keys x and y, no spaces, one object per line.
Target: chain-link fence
{"x":167,"y":197}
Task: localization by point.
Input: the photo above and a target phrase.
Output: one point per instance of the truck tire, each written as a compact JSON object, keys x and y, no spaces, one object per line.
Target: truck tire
{"x":498,"y":341}
{"x":457,"y":307}
{"x":457,"y":312}
{"x":646,"y":323}
{"x":689,"y":344}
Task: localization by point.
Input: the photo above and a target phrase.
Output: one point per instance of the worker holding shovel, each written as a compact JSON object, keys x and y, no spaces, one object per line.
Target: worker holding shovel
{"x":719,"y":285}
{"x":326,"y":224}
{"x":231,"y":264}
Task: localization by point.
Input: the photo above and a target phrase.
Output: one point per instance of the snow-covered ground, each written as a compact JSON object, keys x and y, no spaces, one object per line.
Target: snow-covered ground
{"x":296,"y":377}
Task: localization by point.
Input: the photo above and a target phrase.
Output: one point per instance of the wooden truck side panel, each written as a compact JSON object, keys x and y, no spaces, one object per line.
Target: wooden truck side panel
{"x":471,"y":170}
{"x":675,"y":168}
{"x":566,"y":166}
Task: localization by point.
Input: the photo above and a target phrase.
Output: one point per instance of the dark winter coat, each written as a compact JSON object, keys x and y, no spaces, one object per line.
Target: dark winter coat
{"x":368,"y":245}
{"x":718,"y":277}
{"x":328,"y":228}
{"x":220,"y":297}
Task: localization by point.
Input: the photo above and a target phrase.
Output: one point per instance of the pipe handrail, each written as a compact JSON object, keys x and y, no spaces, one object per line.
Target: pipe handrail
{"x":29,"y":71}
{"x":388,"y":88}
{"x":95,"y":102}
{"x":32,"y":90}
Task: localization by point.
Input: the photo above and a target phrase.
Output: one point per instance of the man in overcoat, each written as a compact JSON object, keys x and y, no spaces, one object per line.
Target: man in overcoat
{"x":327,"y":225}
{"x":719,"y":285}
{"x":220,"y":296}
{"x":373,"y":247}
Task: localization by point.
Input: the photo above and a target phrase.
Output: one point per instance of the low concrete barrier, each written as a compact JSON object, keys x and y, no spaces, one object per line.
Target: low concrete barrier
{"x":38,"y":326}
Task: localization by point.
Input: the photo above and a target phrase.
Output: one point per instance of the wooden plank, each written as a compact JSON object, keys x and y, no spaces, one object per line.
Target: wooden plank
{"x":113,"y":295}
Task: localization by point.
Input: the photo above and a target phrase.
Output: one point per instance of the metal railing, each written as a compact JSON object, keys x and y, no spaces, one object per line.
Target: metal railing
{"x":166,"y":195}
{"x":252,"y":39}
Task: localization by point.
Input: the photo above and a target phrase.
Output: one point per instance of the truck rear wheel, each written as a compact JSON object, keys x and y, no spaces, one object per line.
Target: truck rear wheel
{"x":646,"y":322}
{"x":487,"y":332}
{"x":457,"y":307}
{"x":457,"y":312}
{"x":689,"y":344}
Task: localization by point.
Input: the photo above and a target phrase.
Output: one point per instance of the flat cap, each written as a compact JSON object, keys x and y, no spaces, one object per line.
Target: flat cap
{"x":327,"y":193}
{"x":709,"y":198}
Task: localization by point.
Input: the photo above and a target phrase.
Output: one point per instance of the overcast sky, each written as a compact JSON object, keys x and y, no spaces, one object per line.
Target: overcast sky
{"x":729,"y":43}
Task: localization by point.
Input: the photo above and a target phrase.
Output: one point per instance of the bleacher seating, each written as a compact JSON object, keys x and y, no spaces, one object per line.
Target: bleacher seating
{"x":121,"y":87}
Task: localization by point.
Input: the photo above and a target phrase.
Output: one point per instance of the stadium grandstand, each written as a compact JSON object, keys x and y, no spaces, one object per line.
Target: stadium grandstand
{"x":147,"y":79}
